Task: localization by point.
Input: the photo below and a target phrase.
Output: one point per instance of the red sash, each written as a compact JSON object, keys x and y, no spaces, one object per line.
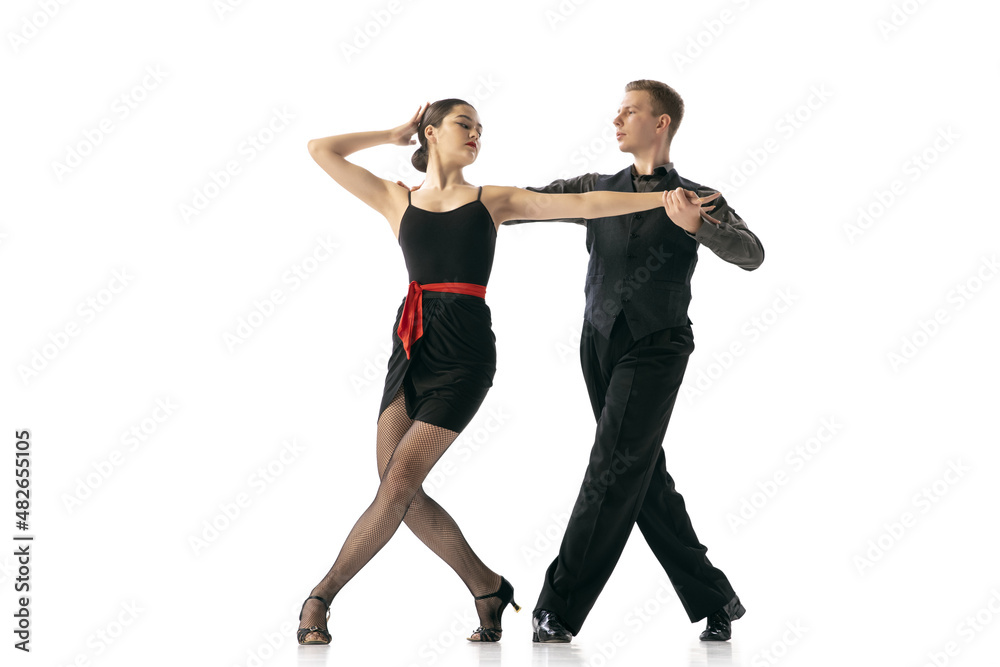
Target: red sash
{"x":411,"y":322}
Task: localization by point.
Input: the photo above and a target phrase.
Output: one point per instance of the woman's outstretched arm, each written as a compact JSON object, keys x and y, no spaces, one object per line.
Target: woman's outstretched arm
{"x":520,"y":204}
{"x":384,"y":196}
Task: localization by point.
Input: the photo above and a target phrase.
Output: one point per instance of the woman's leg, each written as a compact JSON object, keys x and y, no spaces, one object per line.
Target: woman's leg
{"x":407,"y":451}
{"x":433,"y":525}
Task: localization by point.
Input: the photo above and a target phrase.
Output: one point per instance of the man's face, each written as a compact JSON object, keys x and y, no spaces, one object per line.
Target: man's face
{"x":635,"y":122}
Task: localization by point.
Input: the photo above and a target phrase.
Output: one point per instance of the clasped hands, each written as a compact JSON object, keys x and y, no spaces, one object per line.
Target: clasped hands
{"x":685,"y":208}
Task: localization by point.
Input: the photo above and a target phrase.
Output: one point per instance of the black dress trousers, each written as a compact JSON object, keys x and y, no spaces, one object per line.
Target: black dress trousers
{"x":633,"y":386}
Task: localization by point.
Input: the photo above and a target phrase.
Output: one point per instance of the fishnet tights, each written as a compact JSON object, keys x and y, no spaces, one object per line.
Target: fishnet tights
{"x":406,"y":451}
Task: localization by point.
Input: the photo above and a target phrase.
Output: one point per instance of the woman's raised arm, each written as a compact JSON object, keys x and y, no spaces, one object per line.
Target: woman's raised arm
{"x":384,"y":196}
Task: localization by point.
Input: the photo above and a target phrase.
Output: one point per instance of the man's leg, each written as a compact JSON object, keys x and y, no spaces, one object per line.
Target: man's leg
{"x":639,"y":383}
{"x":664,"y":522}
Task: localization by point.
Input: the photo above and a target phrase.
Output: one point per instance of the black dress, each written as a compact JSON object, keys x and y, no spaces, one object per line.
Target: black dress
{"x":451,"y":366}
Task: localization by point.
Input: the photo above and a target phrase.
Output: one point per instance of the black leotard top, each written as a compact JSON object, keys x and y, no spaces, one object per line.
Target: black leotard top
{"x":453,"y":246}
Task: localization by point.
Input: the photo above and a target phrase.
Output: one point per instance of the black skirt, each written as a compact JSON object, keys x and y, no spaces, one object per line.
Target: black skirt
{"x":451,"y":366}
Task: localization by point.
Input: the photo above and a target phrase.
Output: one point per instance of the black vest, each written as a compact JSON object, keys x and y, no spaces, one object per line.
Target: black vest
{"x":640,"y":264}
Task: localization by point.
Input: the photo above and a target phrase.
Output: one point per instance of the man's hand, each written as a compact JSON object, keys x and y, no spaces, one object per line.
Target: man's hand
{"x":404,"y":185}
{"x":684,"y":208}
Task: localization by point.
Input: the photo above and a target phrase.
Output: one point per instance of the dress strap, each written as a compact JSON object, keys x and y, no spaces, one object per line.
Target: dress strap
{"x":480,"y":193}
{"x":408,"y":196}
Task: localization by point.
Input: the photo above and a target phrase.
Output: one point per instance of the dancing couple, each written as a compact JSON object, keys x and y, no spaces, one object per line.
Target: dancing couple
{"x":634,"y":349}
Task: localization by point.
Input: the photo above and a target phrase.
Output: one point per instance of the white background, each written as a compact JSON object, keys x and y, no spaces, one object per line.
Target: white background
{"x":546,"y":79}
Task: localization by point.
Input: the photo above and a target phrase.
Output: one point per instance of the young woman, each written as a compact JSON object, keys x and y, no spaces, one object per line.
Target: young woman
{"x":444,"y":354}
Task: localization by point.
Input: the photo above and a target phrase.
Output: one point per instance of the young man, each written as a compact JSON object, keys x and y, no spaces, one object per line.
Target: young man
{"x":634,"y":348}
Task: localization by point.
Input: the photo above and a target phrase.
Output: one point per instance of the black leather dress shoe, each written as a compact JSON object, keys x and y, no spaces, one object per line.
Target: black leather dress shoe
{"x":548,"y":629}
{"x":719,"y":628}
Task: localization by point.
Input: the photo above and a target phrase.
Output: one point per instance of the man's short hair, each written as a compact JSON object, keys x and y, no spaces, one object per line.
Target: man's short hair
{"x":665,"y":100}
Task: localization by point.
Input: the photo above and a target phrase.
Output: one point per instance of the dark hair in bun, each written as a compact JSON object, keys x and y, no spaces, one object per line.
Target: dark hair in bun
{"x":434,"y":114}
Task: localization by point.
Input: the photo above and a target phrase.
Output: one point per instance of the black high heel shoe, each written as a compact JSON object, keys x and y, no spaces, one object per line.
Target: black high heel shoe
{"x":506,"y":595}
{"x":304,"y":632}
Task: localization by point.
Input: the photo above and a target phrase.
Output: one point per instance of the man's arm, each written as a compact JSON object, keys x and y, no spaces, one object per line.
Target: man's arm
{"x":729,"y":237}
{"x":575,"y":185}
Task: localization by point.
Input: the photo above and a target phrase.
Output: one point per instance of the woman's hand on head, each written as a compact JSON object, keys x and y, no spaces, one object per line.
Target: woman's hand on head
{"x":403,"y":135}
